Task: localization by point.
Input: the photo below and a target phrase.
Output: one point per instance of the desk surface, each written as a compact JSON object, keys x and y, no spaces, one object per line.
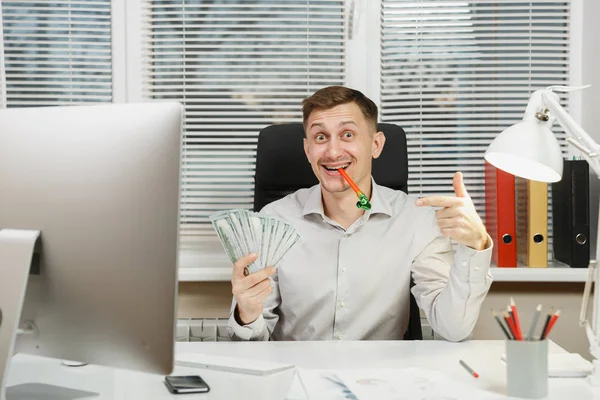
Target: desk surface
{"x":483,"y":356}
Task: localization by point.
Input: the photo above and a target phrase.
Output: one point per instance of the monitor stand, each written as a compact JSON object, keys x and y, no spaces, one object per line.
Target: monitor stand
{"x":16,"y":253}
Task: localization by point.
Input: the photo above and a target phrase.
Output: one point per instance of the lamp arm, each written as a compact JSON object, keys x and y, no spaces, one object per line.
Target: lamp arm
{"x":577,"y":136}
{"x":591,"y":152}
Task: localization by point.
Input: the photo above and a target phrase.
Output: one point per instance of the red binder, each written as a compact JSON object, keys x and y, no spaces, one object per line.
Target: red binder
{"x":500,"y":215}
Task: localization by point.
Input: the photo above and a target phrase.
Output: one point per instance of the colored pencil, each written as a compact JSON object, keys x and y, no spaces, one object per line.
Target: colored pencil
{"x":516,"y":319}
{"x":548,"y":317}
{"x":510,"y":324}
{"x":551,"y":324}
{"x":536,"y":317}
{"x":497,"y":318}
{"x":469,"y":369}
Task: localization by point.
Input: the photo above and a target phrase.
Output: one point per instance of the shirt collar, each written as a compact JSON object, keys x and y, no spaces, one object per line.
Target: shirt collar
{"x":379,"y":204}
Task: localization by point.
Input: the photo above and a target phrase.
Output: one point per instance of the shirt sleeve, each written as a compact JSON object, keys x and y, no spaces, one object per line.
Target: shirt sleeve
{"x":450,"y":285}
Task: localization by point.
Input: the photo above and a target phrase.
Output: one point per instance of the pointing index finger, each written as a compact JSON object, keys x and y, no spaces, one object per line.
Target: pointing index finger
{"x":439,"y":201}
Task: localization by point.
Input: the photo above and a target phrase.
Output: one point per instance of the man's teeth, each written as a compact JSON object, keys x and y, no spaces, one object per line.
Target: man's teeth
{"x":336,"y":168}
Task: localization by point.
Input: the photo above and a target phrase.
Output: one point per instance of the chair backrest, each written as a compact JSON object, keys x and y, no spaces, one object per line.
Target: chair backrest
{"x":282,"y":168}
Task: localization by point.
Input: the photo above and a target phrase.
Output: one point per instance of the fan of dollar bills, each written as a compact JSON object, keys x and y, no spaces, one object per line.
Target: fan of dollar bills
{"x":243,"y":232}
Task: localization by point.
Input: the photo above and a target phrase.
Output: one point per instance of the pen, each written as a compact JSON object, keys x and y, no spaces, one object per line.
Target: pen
{"x":469,"y":369}
{"x":550,"y":324}
{"x":534,"y":322}
{"x":497,"y":318}
{"x":515,"y":315}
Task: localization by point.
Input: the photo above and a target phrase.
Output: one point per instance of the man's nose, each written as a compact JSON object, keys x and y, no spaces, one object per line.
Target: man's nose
{"x":334,"y":149}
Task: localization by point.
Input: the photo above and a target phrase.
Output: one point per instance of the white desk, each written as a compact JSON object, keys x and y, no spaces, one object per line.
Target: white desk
{"x":483,"y":356}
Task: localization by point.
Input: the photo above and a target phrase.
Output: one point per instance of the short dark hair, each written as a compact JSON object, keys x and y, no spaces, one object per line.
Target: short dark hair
{"x":332,"y":96}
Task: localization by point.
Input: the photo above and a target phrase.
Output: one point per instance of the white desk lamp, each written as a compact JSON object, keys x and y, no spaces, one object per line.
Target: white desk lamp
{"x":530,"y":150}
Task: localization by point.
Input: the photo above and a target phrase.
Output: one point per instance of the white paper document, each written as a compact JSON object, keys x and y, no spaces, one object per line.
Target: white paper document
{"x":382,"y":384}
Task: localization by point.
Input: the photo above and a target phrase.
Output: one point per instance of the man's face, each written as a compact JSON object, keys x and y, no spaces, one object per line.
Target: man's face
{"x":341,"y":137}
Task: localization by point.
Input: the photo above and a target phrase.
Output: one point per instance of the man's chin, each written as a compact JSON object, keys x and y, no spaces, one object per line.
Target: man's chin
{"x":333,"y":187}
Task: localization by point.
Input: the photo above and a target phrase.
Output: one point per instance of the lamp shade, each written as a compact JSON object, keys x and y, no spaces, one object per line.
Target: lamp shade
{"x":527,"y":149}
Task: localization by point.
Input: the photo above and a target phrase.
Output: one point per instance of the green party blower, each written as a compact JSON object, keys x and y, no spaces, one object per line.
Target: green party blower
{"x":363,"y":201}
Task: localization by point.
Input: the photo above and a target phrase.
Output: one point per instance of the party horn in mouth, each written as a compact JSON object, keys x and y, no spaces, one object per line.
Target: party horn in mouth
{"x":363,"y":201}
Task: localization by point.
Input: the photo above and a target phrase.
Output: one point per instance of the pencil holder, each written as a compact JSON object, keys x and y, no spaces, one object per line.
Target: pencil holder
{"x":527,"y":368}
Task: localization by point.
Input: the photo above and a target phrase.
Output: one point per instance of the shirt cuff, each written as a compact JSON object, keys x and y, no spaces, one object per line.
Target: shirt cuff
{"x":473,"y":264}
{"x":250,"y":331}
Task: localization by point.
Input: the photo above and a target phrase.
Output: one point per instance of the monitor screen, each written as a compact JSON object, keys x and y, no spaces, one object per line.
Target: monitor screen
{"x":101,"y":184}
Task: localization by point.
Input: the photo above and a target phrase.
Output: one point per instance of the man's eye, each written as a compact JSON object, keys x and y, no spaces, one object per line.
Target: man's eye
{"x":320,"y":137}
{"x":348,"y":135}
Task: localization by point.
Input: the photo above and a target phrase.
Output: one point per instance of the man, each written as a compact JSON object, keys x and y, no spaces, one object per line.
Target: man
{"x":349,"y":277}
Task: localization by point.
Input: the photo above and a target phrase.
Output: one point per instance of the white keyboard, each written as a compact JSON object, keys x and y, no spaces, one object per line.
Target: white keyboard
{"x":230,"y":364}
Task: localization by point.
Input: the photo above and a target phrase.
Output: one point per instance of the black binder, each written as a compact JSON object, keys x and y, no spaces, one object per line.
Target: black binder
{"x":570,"y":215}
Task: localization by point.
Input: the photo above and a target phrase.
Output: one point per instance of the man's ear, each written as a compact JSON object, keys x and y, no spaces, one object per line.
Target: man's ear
{"x":378,"y":142}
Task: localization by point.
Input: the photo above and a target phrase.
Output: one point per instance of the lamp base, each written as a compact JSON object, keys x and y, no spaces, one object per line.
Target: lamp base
{"x":594,"y":376}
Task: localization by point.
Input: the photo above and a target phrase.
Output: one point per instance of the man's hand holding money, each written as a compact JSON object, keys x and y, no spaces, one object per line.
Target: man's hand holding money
{"x":250,"y":291}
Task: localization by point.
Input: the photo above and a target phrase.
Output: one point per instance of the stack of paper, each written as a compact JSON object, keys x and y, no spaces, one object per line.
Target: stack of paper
{"x":243,"y":232}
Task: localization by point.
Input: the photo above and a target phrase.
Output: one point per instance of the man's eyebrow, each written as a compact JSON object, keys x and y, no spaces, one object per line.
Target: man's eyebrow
{"x":342,"y":123}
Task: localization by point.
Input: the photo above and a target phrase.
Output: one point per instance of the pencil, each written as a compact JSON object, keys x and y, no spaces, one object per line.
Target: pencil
{"x":551,"y":324}
{"x":513,"y":306}
{"x":510,"y":324}
{"x":497,"y":318}
{"x":536,"y":317}
{"x":469,"y":369}
{"x":510,"y":314}
{"x":548,"y":317}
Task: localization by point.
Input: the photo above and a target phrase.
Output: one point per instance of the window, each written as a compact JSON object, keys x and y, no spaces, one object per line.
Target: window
{"x":237,"y":67}
{"x":454,"y":74}
{"x":57,"y":52}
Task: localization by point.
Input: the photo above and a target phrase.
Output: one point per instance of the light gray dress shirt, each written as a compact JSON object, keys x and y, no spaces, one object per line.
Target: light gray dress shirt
{"x":353,"y":284}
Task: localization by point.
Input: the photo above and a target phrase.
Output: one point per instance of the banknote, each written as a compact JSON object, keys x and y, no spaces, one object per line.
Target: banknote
{"x":242,"y":232}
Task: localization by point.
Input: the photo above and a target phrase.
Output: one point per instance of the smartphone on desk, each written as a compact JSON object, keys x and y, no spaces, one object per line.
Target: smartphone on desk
{"x":186,"y":384}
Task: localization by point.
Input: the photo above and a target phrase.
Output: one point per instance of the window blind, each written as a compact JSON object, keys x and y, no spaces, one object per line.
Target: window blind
{"x":454,"y":74}
{"x":57,"y":53}
{"x":2,"y":69}
{"x":237,"y":66}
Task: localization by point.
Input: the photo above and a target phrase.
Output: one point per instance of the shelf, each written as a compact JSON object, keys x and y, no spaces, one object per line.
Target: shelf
{"x":555,"y":272}
{"x":215,"y":274}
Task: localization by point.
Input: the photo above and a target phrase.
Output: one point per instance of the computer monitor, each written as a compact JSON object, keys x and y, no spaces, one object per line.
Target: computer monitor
{"x":101,"y":185}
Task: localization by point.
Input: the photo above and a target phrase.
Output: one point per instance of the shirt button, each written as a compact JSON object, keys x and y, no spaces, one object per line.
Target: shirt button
{"x":342,"y":304}
{"x":463,"y":263}
{"x":476,"y":268}
{"x":339,"y":337}
{"x":346,"y":236}
{"x":343,"y":269}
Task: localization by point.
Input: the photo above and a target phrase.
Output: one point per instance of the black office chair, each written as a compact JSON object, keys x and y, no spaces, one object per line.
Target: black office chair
{"x":282,"y":168}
